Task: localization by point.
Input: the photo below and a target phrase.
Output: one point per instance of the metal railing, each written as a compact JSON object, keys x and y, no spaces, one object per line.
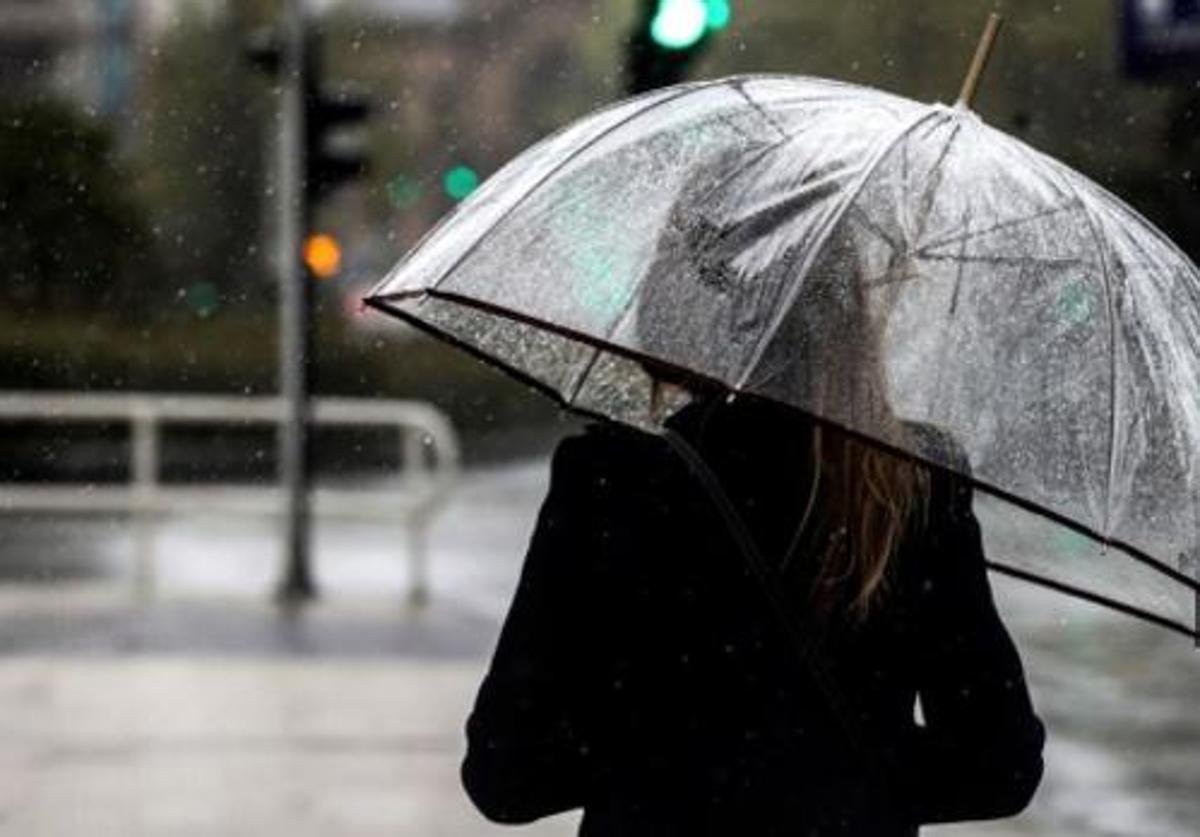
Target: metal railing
{"x":428,"y":465}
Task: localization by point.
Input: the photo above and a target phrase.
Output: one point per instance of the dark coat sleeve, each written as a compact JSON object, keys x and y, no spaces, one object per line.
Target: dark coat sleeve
{"x":978,"y":754}
{"x":529,"y":748}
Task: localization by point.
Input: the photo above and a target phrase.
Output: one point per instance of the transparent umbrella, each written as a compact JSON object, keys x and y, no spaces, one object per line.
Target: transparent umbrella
{"x":766,"y":233}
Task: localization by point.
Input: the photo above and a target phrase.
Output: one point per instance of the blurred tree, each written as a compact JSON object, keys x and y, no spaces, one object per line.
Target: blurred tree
{"x":202,"y":149}
{"x":71,"y":236}
{"x":1166,"y":190}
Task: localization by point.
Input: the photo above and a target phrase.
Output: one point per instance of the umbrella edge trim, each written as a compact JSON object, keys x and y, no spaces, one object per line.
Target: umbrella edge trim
{"x":1094,"y":598}
{"x":384,"y":305}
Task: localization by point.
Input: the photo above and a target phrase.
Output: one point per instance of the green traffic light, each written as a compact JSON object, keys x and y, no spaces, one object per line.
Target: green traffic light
{"x":679,"y":24}
{"x":404,"y":192}
{"x":720,"y":12}
{"x":460,"y":181}
{"x":203,"y":299}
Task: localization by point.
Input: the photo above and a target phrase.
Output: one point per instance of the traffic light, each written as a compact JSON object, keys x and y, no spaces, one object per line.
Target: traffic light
{"x":667,"y":38}
{"x":460,"y":181}
{"x":322,"y":255}
{"x":333,"y":154}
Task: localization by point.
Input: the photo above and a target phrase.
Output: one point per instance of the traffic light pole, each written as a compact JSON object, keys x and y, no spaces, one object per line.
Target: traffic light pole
{"x":311,"y":165}
{"x":295,"y":309}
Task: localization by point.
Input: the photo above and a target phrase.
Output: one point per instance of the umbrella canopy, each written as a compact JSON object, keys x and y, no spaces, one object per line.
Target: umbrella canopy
{"x":855,"y":255}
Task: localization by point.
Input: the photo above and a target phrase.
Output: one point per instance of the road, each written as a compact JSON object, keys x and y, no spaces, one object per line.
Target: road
{"x":208,"y":711}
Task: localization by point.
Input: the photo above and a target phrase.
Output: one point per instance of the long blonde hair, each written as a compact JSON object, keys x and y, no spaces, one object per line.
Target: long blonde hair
{"x":868,"y":501}
{"x":867,"y":497}
{"x":861,"y":503}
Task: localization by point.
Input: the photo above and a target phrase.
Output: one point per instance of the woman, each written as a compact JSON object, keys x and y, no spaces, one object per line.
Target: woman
{"x":643,"y":672}
{"x":641,"y":676}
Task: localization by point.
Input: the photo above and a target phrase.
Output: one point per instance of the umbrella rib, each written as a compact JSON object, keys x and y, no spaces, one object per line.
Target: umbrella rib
{"x":1093,"y":597}
{"x":581,"y":378}
{"x":1110,"y":309}
{"x":885,"y":278}
{"x":967,"y":235}
{"x":835,"y":217}
{"x":1008,"y":260}
{"x":575,"y":154}
{"x":958,"y":274}
{"x":870,"y":224}
{"x":740,"y":86}
{"x":935,"y":181}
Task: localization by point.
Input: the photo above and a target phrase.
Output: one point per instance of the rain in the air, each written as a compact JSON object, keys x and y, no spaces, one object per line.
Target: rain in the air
{"x":600,"y":417}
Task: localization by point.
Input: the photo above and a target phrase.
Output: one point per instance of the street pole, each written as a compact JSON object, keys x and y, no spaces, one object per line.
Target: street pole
{"x":295,"y":302}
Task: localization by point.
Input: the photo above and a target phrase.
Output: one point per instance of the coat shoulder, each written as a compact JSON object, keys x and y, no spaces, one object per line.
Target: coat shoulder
{"x":615,"y":469}
{"x":614,"y":450}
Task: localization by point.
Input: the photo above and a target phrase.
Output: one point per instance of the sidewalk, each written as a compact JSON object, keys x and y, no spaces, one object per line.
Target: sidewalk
{"x":228,"y":718}
{"x":209,"y":711}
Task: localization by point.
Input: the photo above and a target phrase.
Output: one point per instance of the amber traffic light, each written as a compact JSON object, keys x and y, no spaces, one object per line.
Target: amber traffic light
{"x":323,"y":255}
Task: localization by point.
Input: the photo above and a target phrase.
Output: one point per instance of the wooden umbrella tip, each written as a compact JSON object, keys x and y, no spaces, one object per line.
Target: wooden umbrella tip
{"x":983,"y":52}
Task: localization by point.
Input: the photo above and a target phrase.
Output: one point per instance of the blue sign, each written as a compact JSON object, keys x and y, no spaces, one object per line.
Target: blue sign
{"x":1161,"y":36}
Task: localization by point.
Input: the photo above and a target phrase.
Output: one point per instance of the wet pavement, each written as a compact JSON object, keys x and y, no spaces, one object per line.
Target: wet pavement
{"x":208,"y":710}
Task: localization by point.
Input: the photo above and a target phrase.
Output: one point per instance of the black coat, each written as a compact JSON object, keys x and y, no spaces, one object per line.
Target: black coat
{"x":640,"y":674}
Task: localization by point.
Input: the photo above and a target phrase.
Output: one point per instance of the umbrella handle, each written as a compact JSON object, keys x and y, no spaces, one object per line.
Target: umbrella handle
{"x":982,"y":52}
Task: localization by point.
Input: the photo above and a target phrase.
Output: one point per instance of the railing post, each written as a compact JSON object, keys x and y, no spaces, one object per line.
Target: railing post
{"x":413,"y":450}
{"x":414,"y":467}
{"x":416,"y":540}
{"x":145,"y":462}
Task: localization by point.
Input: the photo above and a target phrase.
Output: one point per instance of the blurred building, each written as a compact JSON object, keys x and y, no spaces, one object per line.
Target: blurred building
{"x":457,"y":85}
{"x":402,"y":10}
{"x":81,"y":50}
